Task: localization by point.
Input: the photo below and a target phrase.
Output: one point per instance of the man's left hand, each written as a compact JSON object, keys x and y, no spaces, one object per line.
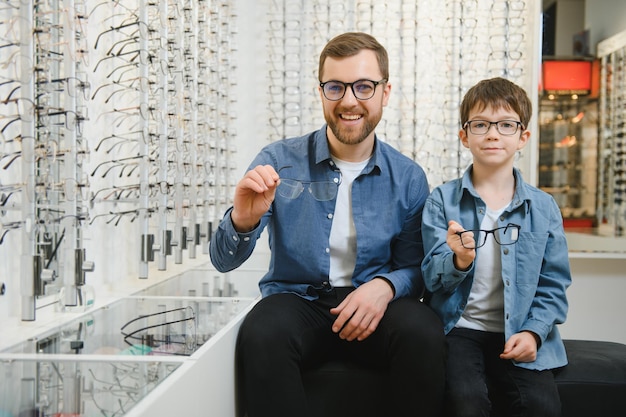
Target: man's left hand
{"x":360,"y":312}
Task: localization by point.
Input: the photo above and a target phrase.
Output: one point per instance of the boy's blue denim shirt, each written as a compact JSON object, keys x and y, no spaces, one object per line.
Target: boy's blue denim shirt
{"x":387,"y":202}
{"x":535,"y":270}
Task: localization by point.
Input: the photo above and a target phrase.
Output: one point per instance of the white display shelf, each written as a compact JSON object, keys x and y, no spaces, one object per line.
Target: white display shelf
{"x":139,"y":326}
{"x":595,"y":246}
{"x":163,"y":350}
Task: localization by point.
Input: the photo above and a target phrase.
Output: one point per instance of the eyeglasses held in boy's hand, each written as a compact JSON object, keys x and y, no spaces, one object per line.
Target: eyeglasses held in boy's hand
{"x":504,"y":127}
{"x":362,"y":89}
{"x":320,"y":190}
{"x":474,"y":239}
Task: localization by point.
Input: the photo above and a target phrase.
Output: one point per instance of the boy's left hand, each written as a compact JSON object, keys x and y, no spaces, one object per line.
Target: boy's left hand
{"x":521,"y":347}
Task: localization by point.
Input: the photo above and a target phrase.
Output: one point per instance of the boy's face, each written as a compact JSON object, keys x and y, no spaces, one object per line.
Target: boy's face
{"x":493,"y":148}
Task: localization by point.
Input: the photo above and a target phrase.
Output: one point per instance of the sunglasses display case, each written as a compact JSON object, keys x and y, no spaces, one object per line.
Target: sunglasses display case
{"x":71,"y":387}
{"x":169,"y":341}
{"x":139,"y":326}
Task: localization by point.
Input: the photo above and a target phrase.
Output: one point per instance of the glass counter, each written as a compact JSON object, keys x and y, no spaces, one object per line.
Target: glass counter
{"x":139,"y":326}
{"x":66,"y":387}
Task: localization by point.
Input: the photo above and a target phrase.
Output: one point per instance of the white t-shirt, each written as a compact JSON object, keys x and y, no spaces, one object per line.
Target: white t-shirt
{"x":485,"y":304}
{"x":342,"y":239}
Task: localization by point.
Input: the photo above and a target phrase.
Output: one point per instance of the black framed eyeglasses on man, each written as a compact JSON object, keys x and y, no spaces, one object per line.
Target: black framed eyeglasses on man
{"x":504,"y":127}
{"x":474,"y":239}
{"x":362,"y":89}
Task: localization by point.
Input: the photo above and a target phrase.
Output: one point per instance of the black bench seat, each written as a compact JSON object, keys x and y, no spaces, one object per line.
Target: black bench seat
{"x":592,"y":385}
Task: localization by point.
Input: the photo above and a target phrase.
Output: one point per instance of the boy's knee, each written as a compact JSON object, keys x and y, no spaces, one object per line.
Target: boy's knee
{"x":541,"y":403}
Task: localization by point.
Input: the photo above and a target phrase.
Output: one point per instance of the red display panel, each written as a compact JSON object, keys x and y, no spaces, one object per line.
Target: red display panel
{"x":566,"y":77}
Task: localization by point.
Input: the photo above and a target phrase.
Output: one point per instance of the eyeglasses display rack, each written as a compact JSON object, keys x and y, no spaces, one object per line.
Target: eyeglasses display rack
{"x":125,"y":113}
{"x":568,"y":155}
{"x":437,"y":51}
{"x":611,"y":135}
{"x":117,"y":123}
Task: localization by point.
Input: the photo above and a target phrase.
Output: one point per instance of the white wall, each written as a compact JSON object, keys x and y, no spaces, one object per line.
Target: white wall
{"x":596,"y":299}
{"x":604,"y":18}
{"x":569,"y":20}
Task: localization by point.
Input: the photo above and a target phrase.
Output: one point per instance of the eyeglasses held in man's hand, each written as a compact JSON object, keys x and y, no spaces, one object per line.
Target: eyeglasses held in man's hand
{"x":504,"y":127}
{"x":474,"y":239}
{"x":320,"y":190}
{"x":362,"y":89}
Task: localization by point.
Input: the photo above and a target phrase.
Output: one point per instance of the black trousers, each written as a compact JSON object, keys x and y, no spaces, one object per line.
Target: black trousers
{"x":477,"y":375}
{"x":285,"y":334}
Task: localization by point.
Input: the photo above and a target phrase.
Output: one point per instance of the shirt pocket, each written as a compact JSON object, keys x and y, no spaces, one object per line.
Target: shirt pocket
{"x":530,"y":250}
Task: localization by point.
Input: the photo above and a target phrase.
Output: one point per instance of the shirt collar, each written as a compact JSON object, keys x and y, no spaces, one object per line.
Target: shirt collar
{"x":520,"y":196}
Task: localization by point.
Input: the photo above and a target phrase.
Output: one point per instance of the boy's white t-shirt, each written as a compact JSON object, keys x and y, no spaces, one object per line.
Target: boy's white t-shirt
{"x":342,"y":239}
{"x":485,"y":304}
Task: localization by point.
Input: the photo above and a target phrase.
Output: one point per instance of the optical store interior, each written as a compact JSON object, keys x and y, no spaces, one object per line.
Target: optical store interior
{"x":126,"y":124}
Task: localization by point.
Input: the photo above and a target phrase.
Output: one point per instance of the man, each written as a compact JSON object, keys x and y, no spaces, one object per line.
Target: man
{"x":343,"y":212}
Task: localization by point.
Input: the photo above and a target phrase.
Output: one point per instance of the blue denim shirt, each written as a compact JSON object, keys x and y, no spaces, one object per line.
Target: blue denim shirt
{"x":535,"y":270}
{"x":387,"y":202}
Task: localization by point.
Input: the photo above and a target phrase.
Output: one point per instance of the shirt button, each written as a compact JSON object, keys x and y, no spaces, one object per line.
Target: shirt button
{"x":335,"y":180}
{"x":230,"y":252}
{"x":507,"y":282}
{"x":327,"y":250}
{"x":235,"y":238}
{"x":501,"y":218}
{"x":247,"y":238}
{"x":506,"y":251}
{"x":330,"y":215}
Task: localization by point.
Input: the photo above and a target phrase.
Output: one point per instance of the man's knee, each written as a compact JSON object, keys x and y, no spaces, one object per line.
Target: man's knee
{"x":415,"y":322}
{"x":267,"y":323}
{"x":467,"y":401}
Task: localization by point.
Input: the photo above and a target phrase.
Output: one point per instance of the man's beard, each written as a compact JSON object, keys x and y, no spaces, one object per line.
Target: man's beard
{"x":351,"y":136}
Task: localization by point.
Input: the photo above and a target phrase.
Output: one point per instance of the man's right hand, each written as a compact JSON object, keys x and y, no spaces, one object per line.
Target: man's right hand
{"x":254,"y":195}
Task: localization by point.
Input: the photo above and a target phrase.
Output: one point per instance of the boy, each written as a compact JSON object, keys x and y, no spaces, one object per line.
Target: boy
{"x":496,"y":266}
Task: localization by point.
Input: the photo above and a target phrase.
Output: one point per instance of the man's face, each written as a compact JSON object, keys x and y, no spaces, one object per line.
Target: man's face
{"x":350,"y":120}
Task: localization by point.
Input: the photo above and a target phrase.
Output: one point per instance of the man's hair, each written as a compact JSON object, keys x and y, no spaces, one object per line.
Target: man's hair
{"x":497,"y":93}
{"x":350,"y":44}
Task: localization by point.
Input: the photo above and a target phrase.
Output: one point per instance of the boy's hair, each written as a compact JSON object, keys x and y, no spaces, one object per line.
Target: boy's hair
{"x":351,"y":43}
{"x":497,"y":93}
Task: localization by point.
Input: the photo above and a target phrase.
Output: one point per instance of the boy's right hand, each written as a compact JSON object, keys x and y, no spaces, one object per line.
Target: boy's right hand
{"x":254,"y":195}
{"x":463,"y":257}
